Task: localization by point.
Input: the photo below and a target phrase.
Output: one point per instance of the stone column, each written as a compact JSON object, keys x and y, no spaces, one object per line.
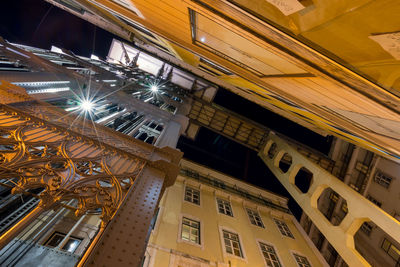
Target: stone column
{"x":170,"y":135}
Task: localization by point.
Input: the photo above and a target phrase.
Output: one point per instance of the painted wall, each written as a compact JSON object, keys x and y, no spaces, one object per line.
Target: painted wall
{"x":166,"y":248}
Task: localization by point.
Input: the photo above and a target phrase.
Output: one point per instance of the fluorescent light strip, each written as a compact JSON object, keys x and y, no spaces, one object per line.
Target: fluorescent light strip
{"x":48,"y":90}
{"x":42,"y":83}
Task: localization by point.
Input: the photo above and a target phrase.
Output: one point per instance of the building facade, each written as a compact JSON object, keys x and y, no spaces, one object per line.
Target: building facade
{"x":373,"y":177}
{"x":83,"y":169}
{"x":209,"y":219}
{"x":96,"y":138}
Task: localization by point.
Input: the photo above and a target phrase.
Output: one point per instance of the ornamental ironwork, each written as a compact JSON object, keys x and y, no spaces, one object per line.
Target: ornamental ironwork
{"x":36,"y":154}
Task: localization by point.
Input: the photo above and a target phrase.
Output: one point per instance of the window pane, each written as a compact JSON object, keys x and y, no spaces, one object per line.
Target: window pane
{"x":385,"y":245}
{"x":270,"y":255}
{"x":237,"y":252}
{"x":232,"y":244}
{"x":394,"y":252}
{"x":71,"y":245}
{"x":190,"y":230}
{"x":55,"y":239}
{"x":192,"y":195}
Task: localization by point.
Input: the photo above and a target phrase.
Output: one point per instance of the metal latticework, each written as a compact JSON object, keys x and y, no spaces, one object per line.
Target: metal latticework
{"x":64,"y":164}
{"x":226,"y":123}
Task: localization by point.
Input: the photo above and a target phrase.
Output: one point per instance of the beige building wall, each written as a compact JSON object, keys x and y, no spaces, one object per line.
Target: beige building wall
{"x":377,"y":179}
{"x":166,"y":247}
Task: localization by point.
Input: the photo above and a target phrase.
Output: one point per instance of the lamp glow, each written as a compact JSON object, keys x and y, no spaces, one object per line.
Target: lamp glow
{"x":86,"y":105}
{"x":154,"y":88}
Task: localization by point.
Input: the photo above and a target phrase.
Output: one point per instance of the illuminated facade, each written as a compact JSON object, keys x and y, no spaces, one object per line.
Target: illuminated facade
{"x":373,"y":177}
{"x":331,"y":67}
{"x":280,"y":57}
{"x":209,"y":219}
{"x":77,"y":178}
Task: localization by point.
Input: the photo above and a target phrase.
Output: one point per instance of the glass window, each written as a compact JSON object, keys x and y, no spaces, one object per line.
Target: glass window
{"x":232,"y":244}
{"x":344,"y":207}
{"x":254,"y":217}
{"x":224,"y":207}
{"x":190,"y":230}
{"x":301,"y":261}
{"x":373,"y":200}
{"x":334,"y":196}
{"x":192,"y":195}
{"x":366,"y":228}
{"x":56,"y":238}
{"x":270,"y":256}
{"x":382,"y":179}
{"x":283,"y":228}
{"x":391,"y":250}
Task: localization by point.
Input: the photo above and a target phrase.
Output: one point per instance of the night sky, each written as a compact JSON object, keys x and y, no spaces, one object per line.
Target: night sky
{"x":39,"y":24}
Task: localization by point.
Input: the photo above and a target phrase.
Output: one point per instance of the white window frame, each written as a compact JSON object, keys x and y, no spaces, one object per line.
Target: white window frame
{"x":222,"y":241}
{"x":180,"y":240}
{"x":247,"y":209}
{"x":230,"y":205}
{"x":63,"y":235}
{"x":194,"y":188}
{"x":276,"y":220}
{"x":269,"y":244}
{"x":293,"y":252}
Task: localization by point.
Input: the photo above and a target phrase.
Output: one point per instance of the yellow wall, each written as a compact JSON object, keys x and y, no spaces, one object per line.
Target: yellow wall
{"x":166,"y":234}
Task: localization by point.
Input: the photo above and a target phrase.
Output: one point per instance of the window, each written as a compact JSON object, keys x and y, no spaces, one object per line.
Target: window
{"x":344,"y":207}
{"x":283,"y":228}
{"x":301,"y":261}
{"x":192,"y":195}
{"x":56,"y":238}
{"x":224,"y":207}
{"x":334,"y":196}
{"x":382,"y":179}
{"x":366,"y":228}
{"x":270,"y":256}
{"x":232,"y":244}
{"x":190,"y":230}
{"x":373,"y":200}
{"x":391,"y":250}
{"x":255,"y":217}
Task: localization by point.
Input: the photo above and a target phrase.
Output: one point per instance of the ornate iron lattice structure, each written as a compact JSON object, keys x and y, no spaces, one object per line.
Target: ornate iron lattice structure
{"x":71,"y":160}
{"x":65,"y":165}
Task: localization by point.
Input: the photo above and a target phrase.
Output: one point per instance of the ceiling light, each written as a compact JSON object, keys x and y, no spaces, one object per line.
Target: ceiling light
{"x":203,"y":39}
{"x":154,"y":88}
{"x":86,"y":105}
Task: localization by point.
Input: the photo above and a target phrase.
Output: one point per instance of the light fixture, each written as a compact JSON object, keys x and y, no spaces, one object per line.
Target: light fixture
{"x":86,"y":105}
{"x":203,"y":39}
{"x":154,"y":88}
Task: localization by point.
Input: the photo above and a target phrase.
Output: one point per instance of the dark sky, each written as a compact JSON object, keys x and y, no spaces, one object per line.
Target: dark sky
{"x":37,"y":23}
{"x":40,"y":24}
